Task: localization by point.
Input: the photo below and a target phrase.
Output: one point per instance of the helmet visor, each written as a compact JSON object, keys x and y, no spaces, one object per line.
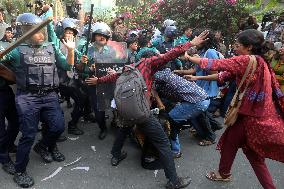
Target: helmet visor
{"x":38,"y":38}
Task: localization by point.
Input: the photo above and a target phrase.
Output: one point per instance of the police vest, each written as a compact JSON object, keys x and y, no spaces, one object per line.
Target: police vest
{"x":38,"y":68}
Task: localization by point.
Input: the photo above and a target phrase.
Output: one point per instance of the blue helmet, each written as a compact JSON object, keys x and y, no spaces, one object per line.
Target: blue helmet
{"x":102,"y":29}
{"x":26,"y":22}
{"x":28,"y":19}
{"x":67,"y":23}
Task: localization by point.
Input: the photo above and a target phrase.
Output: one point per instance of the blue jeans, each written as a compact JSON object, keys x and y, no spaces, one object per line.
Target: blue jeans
{"x":31,"y":109}
{"x":181,"y":113}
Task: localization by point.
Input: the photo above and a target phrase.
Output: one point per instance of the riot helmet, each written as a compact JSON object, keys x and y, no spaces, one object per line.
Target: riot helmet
{"x":170,"y":32}
{"x":67,"y":23}
{"x":169,"y":22}
{"x":26,"y":22}
{"x":102,"y":29}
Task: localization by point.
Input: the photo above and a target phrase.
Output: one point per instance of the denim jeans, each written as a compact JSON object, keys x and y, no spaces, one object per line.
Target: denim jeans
{"x":181,"y":113}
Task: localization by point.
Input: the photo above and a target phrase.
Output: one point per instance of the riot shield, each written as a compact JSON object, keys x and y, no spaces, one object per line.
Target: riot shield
{"x":115,"y":57}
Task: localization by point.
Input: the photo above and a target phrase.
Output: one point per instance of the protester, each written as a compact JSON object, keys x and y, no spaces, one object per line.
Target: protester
{"x":259,"y":127}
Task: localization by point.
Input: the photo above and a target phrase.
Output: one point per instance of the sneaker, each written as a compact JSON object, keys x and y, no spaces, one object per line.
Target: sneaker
{"x":9,"y":167}
{"x":43,"y":152}
{"x":74,"y":130}
{"x":23,"y":180}
{"x":56,"y":155}
{"x":180,"y":183}
{"x":115,"y":161}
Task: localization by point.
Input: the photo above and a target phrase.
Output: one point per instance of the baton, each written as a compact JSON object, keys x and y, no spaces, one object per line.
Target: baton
{"x":89,"y":29}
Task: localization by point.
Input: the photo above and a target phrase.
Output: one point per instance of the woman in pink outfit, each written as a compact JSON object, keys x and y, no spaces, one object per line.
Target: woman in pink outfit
{"x":259,"y":129}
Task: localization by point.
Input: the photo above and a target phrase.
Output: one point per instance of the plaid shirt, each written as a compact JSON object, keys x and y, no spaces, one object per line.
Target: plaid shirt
{"x":177,"y":88}
{"x":149,"y":66}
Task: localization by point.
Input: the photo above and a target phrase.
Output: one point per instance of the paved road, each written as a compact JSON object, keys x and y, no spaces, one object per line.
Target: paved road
{"x":129,"y":174}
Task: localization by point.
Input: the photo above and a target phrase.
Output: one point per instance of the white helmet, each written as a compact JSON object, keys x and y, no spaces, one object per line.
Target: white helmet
{"x":101,"y":28}
{"x":169,"y":22}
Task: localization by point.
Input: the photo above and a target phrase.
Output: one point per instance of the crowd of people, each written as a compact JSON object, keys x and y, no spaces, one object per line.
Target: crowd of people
{"x":190,"y":80}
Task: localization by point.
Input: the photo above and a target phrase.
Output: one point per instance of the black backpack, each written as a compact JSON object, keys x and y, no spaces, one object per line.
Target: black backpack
{"x":130,"y":96}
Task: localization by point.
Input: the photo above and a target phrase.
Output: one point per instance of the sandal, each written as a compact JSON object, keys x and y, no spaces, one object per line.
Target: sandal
{"x":215,"y":176}
{"x":206,"y":143}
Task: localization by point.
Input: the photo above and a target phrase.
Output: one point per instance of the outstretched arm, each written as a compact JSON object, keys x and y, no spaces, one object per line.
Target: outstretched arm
{"x":235,"y":65}
{"x":159,"y":61}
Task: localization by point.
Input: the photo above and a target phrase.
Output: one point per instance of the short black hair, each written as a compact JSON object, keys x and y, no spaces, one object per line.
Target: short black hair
{"x":143,"y":41}
{"x":131,"y":40}
{"x":148,"y":54}
{"x":211,"y":43}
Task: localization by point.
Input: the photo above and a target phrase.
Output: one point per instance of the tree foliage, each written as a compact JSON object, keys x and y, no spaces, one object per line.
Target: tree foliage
{"x":220,"y":15}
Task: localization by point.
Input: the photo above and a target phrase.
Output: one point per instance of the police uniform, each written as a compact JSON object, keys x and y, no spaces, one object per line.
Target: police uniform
{"x":164,"y":46}
{"x":7,"y":135}
{"x":37,"y":79}
{"x":104,"y":55}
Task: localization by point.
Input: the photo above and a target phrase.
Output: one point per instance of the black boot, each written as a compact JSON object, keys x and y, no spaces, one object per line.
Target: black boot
{"x":74,"y":130}
{"x":42,"y":150}
{"x":180,"y":183}
{"x":103,"y":134}
{"x":62,"y":138}
{"x":90,"y":117}
{"x":23,"y":180}
{"x":69,"y":104}
{"x":56,"y":155}
{"x":9,"y":167}
{"x":12,"y":149}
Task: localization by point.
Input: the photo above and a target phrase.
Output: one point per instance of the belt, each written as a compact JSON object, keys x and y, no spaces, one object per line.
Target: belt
{"x":41,"y":90}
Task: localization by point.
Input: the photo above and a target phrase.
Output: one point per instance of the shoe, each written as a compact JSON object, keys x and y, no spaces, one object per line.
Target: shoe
{"x":9,"y":167}
{"x":61,"y":100}
{"x":74,"y":130}
{"x":56,"y":155}
{"x":103,"y":134}
{"x":13,"y":149}
{"x":69,"y":105}
{"x":115,"y":161}
{"x":62,"y":138}
{"x":177,"y":155}
{"x":43,"y":152}
{"x":23,"y":180}
{"x":90,"y":118}
{"x":181,"y":182}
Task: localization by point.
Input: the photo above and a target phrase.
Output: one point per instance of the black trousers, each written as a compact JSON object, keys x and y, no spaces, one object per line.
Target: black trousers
{"x":100,"y":115}
{"x":8,"y":134}
{"x":153,"y":130}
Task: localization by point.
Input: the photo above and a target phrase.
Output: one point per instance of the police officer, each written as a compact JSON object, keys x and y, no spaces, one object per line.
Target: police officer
{"x":166,"y":43}
{"x":8,"y":133}
{"x":98,"y":52}
{"x":35,"y":65}
{"x":71,"y":84}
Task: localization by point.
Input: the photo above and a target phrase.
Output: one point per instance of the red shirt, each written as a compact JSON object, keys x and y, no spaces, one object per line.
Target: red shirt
{"x":149,"y":66}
